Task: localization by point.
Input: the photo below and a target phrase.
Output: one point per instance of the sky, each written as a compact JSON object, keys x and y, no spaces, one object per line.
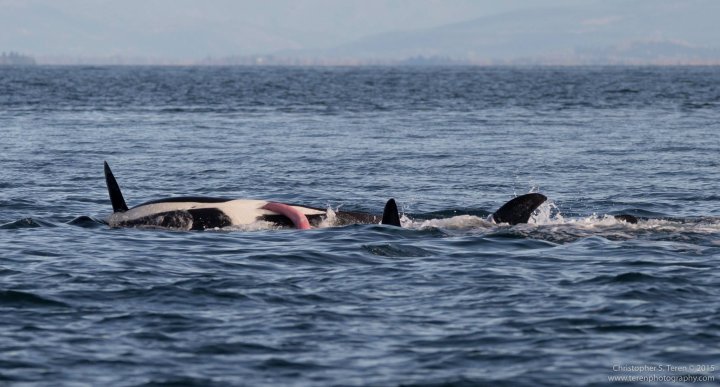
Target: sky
{"x":191,"y":29}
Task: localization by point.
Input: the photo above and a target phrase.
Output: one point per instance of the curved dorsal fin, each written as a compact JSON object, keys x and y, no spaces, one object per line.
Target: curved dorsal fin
{"x":519,"y":209}
{"x":390,"y":214}
{"x":116,"y":197}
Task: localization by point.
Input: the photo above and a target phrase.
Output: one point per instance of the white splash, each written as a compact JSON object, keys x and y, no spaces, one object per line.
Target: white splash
{"x":460,"y":222}
{"x":547,"y":213}
{"x":330,"y":218}
{"x":259,"y":225}
{"x":547,"y":222}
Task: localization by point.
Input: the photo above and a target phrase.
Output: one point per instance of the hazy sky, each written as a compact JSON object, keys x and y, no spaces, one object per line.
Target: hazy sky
{"x":180,"y":29}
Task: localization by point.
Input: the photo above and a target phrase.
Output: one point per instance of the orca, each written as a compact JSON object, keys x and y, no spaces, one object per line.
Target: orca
{"x":202,"y":213}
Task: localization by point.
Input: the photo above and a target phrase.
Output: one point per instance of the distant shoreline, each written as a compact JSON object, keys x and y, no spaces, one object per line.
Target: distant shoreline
{"x":16,"y":59}
{"x":394,"y":65}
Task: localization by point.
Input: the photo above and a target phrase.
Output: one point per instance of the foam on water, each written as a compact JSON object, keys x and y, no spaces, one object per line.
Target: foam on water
{"x":548,"y":223}
{"x":259,"y":225}
{"x":460,"y":222}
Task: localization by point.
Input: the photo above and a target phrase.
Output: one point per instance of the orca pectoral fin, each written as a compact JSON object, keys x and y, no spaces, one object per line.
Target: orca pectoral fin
{"x":519,"y":209}
{"x":390,"y":214}
{"x":116,"y":197}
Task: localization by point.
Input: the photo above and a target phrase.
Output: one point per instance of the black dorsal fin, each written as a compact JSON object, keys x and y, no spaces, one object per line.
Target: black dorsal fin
{"x":390,"y":214}
{"x":519,"y":209}
{"x":116,"y":196}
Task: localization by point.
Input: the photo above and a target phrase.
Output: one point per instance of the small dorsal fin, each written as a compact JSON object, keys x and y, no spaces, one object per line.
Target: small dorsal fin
{"x":116,"y":197}
{"x":390,"y":214}
{"x":518,"y":210}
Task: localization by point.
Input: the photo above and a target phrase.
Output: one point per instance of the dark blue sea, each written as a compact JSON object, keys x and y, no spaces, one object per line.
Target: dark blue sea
{"x":573,"y":298}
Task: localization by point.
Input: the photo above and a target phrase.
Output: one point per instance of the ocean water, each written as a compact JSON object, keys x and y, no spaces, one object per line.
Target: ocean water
{"x":573,"y":298}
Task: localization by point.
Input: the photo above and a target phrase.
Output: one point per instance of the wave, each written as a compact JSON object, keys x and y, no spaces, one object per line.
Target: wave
{"x":86,"y":222}
{"x":18,"y":299}
{"x":25,"y":223}
{"x":547,"y":223}
{"x":80,"y":221}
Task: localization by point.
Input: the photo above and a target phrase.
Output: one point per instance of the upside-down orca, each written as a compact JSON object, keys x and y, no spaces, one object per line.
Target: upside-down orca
{"x":200,"y":213}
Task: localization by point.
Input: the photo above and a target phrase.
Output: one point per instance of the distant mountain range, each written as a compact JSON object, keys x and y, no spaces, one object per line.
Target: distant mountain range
{"x":649,"y":31}
{"x":603,"y":32}
{"x":610,"y":32}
